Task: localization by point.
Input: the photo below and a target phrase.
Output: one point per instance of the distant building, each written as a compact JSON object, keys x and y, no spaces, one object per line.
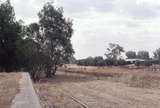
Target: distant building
{"x":133,"y":61}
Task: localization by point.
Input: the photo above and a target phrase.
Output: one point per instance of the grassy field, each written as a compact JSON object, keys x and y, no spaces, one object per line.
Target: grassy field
{"x":105,"y":87}
{"x":9,"y":84}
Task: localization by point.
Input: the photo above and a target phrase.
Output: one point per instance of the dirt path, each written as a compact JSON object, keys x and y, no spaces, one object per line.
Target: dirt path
{"x":72,"y":91}
{"x":9,"y":87}
{"x":27,"y":97}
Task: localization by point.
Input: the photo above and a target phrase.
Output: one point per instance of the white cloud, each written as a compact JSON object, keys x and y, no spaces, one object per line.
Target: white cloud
{"x":135,"y":24}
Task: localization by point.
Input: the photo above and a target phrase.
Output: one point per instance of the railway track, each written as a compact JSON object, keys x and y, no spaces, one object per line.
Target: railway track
{"x":84,"y":105}
{"x":65,"y":92}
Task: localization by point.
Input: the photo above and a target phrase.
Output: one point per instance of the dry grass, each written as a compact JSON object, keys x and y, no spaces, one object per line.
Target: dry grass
{"x":98,"y":92}
{"x":134,"y":77}
{"x":8,"y":88}
{"x":101,"y":87}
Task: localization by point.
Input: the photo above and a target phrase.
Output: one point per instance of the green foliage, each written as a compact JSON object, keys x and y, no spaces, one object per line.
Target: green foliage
{"x":10,"y":31}
{"x":72,"y":60}
{"x":131,"y":54}
{"x":121,"y":62}
{"x":54,"y":36}
{"x":114,"y":51}
{"x":92,"y":61}
{"x":40,"y":47}
{"x":157,"y":54}
{"x":113,"y":57}
{"x":99,"y":61}
{"x":143,"y":55}
{"x":143,"y":63}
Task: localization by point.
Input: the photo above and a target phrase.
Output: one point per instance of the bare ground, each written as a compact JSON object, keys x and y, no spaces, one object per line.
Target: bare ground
{"x":72,"y":90}
{"x":9,"y":83}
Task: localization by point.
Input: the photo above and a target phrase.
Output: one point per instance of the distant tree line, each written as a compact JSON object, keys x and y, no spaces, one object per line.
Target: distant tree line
{"x":38,"y":47}
{"x":140,"y":55}
{"x":114,"y":57}
{"x":100,"y":61}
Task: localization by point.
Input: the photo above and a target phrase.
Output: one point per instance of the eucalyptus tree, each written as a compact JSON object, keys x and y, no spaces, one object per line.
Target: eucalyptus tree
{"x":54,"y":36}
{"x":114,"y":51}
{"x":10,"y":33}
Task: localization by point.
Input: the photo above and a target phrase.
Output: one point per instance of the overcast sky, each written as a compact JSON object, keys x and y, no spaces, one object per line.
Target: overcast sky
{"x":134,"y":24}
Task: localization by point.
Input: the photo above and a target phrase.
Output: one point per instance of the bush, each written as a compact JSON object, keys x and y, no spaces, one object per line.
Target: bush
{"x":98,"y":61}
{"x":109,"y":62}
{"x":143,"y":63}
{"x":121,"y":62}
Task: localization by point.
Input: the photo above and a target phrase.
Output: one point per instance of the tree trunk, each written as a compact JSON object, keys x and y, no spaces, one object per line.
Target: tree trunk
{"x":54,"y":71}
{"x":49,"y":72}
